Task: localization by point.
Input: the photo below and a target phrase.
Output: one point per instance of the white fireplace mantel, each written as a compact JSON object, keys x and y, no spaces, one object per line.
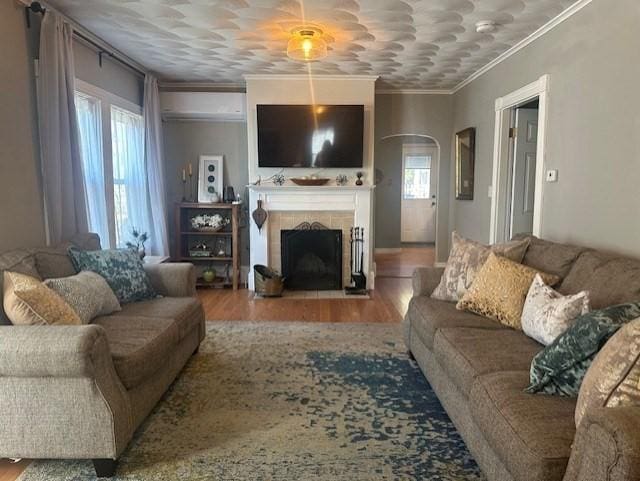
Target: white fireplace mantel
{"x":294,"y":198}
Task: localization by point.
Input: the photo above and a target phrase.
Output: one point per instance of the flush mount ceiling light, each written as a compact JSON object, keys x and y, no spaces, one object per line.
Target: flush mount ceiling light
{"x":486,"y":26}
{"x":306,"y":44}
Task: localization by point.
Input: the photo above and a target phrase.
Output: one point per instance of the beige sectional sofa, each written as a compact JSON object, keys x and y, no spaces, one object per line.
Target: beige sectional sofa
{"x":479,"y":369}
{"x":80,"y":392}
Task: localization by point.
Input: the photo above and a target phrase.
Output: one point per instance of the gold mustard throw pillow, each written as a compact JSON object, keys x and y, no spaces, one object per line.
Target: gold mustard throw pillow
{"x":27,"y":301}
{"x":500,"y":289}
{"x":613,"y":379}
{"x":466,"y":258}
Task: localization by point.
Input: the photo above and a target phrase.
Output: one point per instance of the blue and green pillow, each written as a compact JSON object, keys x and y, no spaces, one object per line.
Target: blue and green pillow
{"x":122,"y":269}
{"x":560,"y":368}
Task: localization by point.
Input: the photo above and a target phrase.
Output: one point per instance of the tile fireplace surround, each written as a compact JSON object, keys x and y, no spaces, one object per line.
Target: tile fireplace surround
{"x":336,"y":207}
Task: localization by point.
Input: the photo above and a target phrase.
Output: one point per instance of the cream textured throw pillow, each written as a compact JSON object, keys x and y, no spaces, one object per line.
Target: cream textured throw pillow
{"x":500,"y":289}
{"x":88,"y":293}
{"x":547,"y":314}
{"x":465,"y":261}
{"x":614,"y":376}
{"x":27,"y":301}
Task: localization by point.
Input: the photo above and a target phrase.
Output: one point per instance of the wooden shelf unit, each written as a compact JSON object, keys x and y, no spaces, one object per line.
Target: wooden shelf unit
{"x":185,"y":237}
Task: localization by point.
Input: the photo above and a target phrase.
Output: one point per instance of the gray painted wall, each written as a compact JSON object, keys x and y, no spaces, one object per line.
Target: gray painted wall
{"x":184,"y":142}
{"x":410,"y":114}
{"x":21,"y":212}
{"x":592,"y":129}
{"x":112,"y":76}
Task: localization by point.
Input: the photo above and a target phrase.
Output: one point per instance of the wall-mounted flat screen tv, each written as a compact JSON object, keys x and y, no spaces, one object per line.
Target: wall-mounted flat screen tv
{"x":313,"y":136}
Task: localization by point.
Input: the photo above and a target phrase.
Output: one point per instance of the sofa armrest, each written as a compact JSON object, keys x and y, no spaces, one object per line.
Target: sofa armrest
{"x":60,"y":394}
{"x":426,"y":279}
{"x":50,"y":351}
{"x":175,"y":279}
{"x":606,"y":446}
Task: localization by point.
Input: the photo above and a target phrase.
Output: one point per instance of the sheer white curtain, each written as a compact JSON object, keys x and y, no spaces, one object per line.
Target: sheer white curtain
{"x":90,"y":127}
{"x":159,"y":243}
{"x":62,"y":178}
{"x":130,"y":194}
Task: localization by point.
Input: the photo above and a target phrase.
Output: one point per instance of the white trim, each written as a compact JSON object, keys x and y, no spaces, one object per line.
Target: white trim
{"x":388,"y":250}
{"x":539,"y":89}
{"x":440,"y":264}
{"x":413,"y":92}
{"x":551,"y":24}
{"x":371,"y":78}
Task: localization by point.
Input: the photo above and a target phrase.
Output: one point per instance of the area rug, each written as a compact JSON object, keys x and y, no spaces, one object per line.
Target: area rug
{"x":292,"y":401}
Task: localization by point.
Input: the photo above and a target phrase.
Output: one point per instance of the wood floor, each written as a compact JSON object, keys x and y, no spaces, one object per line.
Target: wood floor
{"x":388,"y":303}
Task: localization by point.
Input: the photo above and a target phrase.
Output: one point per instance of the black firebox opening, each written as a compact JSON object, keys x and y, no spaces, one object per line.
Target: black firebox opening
{"x":312,"y":259}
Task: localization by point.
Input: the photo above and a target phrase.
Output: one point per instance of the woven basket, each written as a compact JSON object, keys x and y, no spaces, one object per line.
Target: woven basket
{"x":268,"y":283}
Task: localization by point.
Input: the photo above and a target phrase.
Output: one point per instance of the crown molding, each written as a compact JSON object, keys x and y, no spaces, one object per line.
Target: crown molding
{"x":371,"y":78}
{"x":551,"y":24}
{"x":413,"y":92}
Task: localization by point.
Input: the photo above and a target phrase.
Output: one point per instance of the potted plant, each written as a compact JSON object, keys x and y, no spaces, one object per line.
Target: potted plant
{"x":137,"y":243}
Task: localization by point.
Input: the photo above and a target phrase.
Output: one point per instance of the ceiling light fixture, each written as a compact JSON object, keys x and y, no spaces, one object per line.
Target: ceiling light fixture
{"x":486,"y":26}
{"x":306,"y":44}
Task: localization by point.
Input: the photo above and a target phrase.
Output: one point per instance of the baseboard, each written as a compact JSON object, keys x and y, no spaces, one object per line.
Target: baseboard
{"x":440,"y":264}
{"x":388,"y":250}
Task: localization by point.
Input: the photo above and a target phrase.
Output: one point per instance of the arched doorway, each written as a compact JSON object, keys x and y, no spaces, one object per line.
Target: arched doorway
{"x":406,"y":207}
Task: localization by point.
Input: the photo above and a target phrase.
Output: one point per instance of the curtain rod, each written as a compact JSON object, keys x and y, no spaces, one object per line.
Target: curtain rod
{"x":36,"y":7}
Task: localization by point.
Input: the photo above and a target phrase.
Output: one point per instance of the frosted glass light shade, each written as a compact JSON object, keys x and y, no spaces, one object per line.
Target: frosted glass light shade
{"x":306,"y":45}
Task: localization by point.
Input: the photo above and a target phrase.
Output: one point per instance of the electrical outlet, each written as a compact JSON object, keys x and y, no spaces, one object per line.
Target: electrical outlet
{"x":552,"y":175}
{"x":490,"y":191}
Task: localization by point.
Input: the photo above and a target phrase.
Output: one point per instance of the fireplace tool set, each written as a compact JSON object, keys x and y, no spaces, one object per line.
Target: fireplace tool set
{"x":358,"y":278}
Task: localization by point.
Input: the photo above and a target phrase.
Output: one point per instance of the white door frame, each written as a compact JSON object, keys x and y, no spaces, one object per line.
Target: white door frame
{"x":540,"y":89}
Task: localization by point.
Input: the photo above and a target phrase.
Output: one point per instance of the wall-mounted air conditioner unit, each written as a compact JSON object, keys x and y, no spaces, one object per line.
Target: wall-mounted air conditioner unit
{"x":212,"y":106}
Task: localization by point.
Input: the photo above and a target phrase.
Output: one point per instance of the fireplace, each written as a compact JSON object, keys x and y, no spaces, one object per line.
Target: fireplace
{"x":312,"y":257}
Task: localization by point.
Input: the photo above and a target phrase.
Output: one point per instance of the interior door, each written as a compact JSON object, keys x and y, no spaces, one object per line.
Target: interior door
{"x":524,"y":171}
{"x":418,"y":206}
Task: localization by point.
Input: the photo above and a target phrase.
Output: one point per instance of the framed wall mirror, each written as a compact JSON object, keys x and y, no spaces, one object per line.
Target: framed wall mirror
{"x":465,"y":163}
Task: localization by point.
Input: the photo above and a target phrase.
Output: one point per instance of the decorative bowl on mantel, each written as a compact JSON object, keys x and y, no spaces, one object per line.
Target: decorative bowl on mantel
{"x":309,"y":181}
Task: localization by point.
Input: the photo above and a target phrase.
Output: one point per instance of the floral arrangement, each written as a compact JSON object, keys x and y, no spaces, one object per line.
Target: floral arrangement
{"x":209,"y":222}
{"x":137,"y":242}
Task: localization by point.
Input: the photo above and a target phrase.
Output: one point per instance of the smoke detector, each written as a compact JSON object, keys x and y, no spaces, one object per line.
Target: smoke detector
{"x":486,"y":26}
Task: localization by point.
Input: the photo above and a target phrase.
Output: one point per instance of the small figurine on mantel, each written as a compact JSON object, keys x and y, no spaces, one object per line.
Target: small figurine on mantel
{"x":359,"y":175}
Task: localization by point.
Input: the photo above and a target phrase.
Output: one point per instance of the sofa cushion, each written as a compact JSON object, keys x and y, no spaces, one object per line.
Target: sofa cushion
{"x":609,"y":279}
{"x":466,"y":353}
{"x":500,"y":289}
{"x":54,"y":262}
{"x":186,"y":311}
{"x":20,"y":261}
{"x":139,"y":345}
{"x":551,"y":257}
{"x":530,"y":433}
{"x":427,"y":315}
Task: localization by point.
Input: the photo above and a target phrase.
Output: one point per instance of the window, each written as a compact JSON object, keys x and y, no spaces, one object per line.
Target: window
{"x":417,"y":175}
{"x":112,"y":149}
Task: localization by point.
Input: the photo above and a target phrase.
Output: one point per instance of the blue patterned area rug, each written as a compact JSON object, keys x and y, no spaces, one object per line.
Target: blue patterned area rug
{"x":292,"y":401}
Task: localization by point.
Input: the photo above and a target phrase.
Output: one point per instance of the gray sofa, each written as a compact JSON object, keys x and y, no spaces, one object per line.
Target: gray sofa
{"x":479,"y":369}
{"x":80,"y":392}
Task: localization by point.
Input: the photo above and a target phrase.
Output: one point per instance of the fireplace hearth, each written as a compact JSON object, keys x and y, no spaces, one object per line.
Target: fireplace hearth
{"x":312,"y":257}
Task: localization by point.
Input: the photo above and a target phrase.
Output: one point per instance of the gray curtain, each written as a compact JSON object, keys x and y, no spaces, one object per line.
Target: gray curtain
{"x":158,"y":239}
{"x":62,"y":180}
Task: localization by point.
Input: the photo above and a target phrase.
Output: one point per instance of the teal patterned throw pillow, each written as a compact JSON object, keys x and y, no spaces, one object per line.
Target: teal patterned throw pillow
{"x":122,"y":269}
{"x":560,"y":367}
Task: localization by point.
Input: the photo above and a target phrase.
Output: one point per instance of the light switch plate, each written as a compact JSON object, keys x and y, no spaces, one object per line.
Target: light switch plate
{"x":552,"y":175}
{"x":490,"y":191}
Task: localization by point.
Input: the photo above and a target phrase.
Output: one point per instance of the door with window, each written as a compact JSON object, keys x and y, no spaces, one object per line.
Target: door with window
{"x":418,"y":205}
{"x":112,"y":150}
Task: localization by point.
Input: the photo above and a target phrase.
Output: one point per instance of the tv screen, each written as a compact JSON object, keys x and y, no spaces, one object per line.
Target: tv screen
{"x":315,"y":136}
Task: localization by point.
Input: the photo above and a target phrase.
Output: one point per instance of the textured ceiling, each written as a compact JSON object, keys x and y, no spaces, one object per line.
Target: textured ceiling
{"x":410,"y":44}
